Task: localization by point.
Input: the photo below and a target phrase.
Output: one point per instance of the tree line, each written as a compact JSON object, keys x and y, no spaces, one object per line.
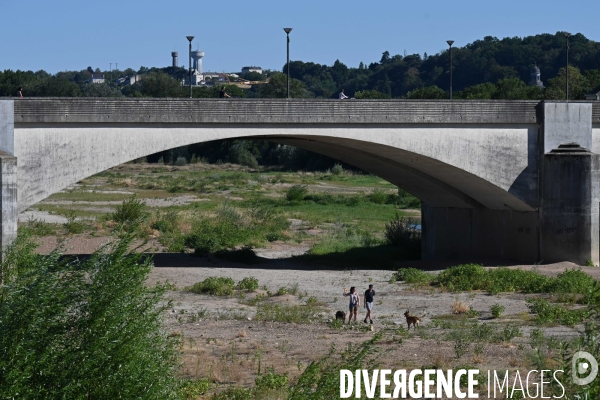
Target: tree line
{"x":490,"y":68}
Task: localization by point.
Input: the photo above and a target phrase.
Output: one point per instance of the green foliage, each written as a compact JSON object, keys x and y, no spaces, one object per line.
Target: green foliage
{"x":72,"y":226}
{"x":429,"y":92}
{"x":216,"y":286}
{"x":194,"y":388}
{"x":130,"y":213}
{"x":321,"y":379}
{"x":497,"y":310}
{"x":412,"y":275}
{"x":91,"y":328}
{"x":249,"y":283}
{"x":271,"y":380}
{"x":378,"y":196}
{"x":554,"y":313}
{"x":402,"y":232}
{"x":166,"y":222}
{"x":371,"y":94}
{"x":296,"y":193}
{"x":39,"y":228}
{"x":337,"y":169}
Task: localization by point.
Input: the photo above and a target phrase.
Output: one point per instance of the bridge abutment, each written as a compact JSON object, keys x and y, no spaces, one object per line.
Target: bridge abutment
{"x":9,"y":209}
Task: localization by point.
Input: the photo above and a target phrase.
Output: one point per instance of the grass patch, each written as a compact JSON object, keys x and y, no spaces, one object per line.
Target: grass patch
{"x":548,"y":313}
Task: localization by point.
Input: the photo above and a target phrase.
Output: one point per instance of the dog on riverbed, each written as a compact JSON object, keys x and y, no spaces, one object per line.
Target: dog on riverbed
{"x":412,"y":319}
{"x":340,"y":315}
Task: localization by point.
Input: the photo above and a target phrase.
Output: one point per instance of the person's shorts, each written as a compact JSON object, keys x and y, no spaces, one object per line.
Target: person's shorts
{"x":369,"y":305}
{"x":352,"y":307}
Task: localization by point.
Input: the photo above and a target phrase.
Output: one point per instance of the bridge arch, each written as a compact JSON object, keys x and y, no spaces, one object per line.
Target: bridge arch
{"x":56,"y":156}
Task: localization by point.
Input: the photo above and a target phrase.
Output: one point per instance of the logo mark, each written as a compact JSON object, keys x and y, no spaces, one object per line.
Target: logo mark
{"x":579,"y":368}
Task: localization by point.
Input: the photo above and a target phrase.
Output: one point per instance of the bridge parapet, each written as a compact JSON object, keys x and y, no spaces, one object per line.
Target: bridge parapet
{"x":273,"y":111}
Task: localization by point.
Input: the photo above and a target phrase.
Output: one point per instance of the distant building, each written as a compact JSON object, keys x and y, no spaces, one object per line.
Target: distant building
{"x":129,"y":80}
{"x":593,"y":95}
{"x":536,"y":79}
{"x":96,"y":78}
{"x":246,"y":70}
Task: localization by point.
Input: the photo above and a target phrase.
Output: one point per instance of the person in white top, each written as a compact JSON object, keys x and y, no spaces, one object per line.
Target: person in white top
{"x":343,"y":95}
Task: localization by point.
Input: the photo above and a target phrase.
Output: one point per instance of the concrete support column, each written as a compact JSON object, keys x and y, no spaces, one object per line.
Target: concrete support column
{"x":8,"y":199}
{"x":8,"y":175}
{"x":470,"y":234}
{"x":569,"y":207}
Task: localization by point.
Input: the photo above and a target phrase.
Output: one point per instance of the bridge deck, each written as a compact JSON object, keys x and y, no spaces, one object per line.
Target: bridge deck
{"x":275,"y":111}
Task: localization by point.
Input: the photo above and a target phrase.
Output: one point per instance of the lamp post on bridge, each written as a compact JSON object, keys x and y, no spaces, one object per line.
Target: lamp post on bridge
{"x":567,"y":34}
{"x":450,"y":43}
{"x":287,"y":31}
{"x":190,"y":38}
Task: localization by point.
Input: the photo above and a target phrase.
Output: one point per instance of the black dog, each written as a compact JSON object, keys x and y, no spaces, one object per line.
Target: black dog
{"x":340,"y":315}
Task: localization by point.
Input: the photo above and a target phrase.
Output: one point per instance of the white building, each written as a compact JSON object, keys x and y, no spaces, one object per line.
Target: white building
{"x":246,"y":70}
{"x":96,"y":78}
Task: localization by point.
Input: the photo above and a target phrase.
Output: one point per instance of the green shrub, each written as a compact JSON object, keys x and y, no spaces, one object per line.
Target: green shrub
{"x":130,"y":213}
{"x":463,"y":278}
{"x":555,"y":313}
{"x":72,"y":226}
{"x":271,"y":380}
{"x":402,"y":232}
{"x":337,"y":169}
{"x":194,"y":388}
{"x":412,"y":275}
{"x":181,"y":161}
{"x":166,"y":222}
{"x":378,"y":196}
{"x":244,"y":255}
{"x":91,"y":328}
{"x":296,"y":193}
{"x":248,"y":283}
{"x":497,"y":310}
{"x":39,"y":228}
{"x":217,"y":286}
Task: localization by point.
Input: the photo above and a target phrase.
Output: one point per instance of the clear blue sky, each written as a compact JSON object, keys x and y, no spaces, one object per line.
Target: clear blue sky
{"x":72,"y":35}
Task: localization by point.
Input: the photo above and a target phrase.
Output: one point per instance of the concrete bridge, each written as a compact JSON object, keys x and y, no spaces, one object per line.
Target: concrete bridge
{"x":497,"y":179}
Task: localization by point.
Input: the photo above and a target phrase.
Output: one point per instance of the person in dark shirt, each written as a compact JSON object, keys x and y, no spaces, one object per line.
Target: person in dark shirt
{"x":369,"y":294}
{"x":223,"y":94}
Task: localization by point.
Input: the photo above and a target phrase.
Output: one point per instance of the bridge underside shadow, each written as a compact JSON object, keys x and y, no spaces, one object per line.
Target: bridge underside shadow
{"x":454,"y":225}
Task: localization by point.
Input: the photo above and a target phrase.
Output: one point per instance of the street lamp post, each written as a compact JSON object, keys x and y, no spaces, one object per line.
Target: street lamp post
{"x":190,"y":38}
{"x":450,"y":43}
{"x":287,"y":31}
{"x":567,"y":34}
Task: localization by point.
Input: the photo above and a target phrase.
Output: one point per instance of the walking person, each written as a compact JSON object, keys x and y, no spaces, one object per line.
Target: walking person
{"x":369,"y":294}
{"x":354,"y":303}
{"x":222,"y":94}
{"x":343,"y":95}
{"x":20,"y":92}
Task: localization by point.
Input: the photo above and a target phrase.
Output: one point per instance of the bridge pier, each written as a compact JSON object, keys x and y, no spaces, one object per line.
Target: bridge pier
{"x":9,"y":210}
{"x":478,"y":233}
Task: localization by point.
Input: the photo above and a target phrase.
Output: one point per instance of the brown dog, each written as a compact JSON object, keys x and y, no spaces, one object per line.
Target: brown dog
{"x":340,"y":315}
{"x":412,"y":319}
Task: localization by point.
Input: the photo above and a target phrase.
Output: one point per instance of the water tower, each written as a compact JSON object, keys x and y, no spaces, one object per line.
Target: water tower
{"x":197,"y":56}
{"x":174,"y":54}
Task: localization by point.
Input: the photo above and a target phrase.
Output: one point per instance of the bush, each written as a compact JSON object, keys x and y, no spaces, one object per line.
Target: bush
{"x":248,"y":283}
{"x":72,"y":226}
{"x":337,"y":169}
{"x":181,"y":161}
{"x":497,"y":310}
{"x":296,"y":193}
{"x":91,"y":328}
{"x":216,"y":286}
{"x":166,"y":222}
{"x":412,"y":275}
{"x":130,"y":213}
{"x":378,"y":196}
{"x":554,"y":313}
{"x":402,"y":232}
{"x":463,"y":278}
